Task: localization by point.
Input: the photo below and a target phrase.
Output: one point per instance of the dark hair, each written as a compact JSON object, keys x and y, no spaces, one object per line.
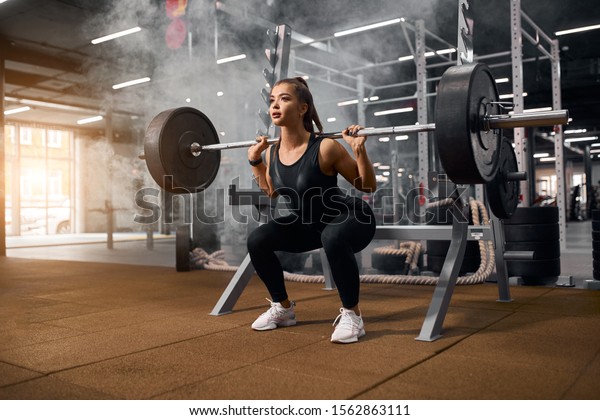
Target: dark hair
{"x":304,"y":96}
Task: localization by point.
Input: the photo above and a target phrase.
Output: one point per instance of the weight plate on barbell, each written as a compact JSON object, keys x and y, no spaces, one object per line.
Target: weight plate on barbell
{"x":502,"y":194}
{"x":167,"y":147}
{"x":468,"y":152}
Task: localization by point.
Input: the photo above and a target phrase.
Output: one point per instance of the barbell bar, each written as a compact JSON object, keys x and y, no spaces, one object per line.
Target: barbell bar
{"x":468,"y":134}
{"x":492,"y":122}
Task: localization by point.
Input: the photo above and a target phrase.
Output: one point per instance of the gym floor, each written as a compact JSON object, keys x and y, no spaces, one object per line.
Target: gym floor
{"x":85,"y":322}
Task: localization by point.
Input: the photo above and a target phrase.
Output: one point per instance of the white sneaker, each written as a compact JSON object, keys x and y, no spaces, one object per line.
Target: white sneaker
{"x":349,"y":328}
{"x":276,"y":316}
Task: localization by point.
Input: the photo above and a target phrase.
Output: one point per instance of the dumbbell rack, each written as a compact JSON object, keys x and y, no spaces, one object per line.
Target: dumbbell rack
{"x":459,"y":233}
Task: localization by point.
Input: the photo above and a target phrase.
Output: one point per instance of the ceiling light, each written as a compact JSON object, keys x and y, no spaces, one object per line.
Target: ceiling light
{"x":446,"y":51}
{"x":366,"y":27}
{"x":575,"y":131}
{"x":402,"y":137}
{"x":576,"y":139}
{"x":548,"y":159}
{"x":17,"y":110}
{"x":511,"y":95}
{"x":232,"y":58}
{"x":393,"y":111}
{"x":595,"y":151}
{"x":383,"y":140}
{"x":580,"y":29}
{"x":188,"y":100}
{"x":502,"y":80}
{"x":406,"y":58}
{"x":350,"y":102}
{"x":131,"y":83}
{"x":116,"y":35}
{"x":331,"y":119}
{"x":595,"y":145}
{"x":89,"y":120}
{"x":219,"y":93}
{"x":540,"y":155}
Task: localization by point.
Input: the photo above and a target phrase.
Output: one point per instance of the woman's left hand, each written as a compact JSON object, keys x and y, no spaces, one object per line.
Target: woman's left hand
{"x":355,"y":142}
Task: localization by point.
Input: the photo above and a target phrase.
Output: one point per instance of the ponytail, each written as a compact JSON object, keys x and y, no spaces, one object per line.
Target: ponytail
{"x":304,"y":95}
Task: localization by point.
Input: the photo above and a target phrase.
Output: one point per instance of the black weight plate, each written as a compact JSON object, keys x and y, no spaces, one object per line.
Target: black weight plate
{"x":470,"y":264}
{"x":596,"y":215}
{"x":531,"y":233}
{"x":533,"y":215}
{"x":596,"y":235}
{"x":596,"y":275}
{"x":167,"y":147}
{"x":183,"y":247}
{"x":596,"y":245}
{"x":389,"y":263}
{"x":542,"y":250}
{"x":596,"y":265}
{"x":502,"y":194}
{"x":595,"y":225}
{"x":535,"y":269}
{"x":596,"y":255}
{"x":468,"y":153}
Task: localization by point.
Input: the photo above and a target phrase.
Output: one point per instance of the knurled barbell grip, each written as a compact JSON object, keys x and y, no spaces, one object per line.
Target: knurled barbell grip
{"x":533,"y":119}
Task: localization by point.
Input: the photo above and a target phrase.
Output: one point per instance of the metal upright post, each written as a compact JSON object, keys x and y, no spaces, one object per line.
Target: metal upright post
{"x":517,"y":86}
{"x":559,"y":139}
{"x":422,"y":114}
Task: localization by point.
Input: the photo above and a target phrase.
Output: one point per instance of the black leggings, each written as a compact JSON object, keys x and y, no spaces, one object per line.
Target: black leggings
{"x":341,"y":238}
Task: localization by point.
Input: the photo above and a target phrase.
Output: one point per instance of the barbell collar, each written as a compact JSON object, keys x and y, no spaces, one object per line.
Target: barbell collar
{"x":516,"y":176}
{"x":527,"y":119}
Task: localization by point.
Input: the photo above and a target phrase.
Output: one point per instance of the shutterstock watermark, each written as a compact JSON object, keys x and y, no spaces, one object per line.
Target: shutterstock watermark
{"x":215,"y":207}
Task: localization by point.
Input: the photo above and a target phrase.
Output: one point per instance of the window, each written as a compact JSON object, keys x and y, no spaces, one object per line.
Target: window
{"x":55,"y":138}
{"x":26,"y":135}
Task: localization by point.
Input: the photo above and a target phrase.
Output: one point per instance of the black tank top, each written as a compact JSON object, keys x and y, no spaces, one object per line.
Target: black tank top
{"x":311,"y":194}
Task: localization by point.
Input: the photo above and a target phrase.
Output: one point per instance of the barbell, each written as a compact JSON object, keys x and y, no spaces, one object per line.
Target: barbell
{"x":182,"y":149}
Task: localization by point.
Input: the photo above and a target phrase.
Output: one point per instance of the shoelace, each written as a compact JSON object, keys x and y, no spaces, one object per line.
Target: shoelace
{"x":347,"y":320}
{"x":274,"y":310}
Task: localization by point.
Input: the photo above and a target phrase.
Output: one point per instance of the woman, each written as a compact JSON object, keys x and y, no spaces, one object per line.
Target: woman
{"x":303,"y":167}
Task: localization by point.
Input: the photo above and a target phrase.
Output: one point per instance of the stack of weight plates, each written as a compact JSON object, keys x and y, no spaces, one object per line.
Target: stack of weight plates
{"x":437,"y":250}
{"x":596,"y":243}
{"x":534,"y":229}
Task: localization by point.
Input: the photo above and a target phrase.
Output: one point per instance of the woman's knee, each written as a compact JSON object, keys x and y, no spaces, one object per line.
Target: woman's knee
{"x":257,"y":239}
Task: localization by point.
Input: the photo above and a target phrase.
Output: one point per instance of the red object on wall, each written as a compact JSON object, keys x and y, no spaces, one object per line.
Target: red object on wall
{"x":176,"y":33}
{"x":176,"y":8}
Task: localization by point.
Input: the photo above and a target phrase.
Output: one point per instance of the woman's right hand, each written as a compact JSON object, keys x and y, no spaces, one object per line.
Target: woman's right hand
{"x":255,"y":151}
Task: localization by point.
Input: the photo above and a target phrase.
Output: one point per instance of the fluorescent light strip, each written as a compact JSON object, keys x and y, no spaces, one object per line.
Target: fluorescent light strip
{"x":548,"y":159}
{"x":367,"y":27}
{"x":116,"y":35}
{"x":90,"y":120}
{"x":576,"y":131}
{"x":393,"y":111}
{"x":594,"y":151}
{"x":511,"y":95}
{"x":574,"y":30}
{"x":331,"y":119}
{"x":350,"y":102}
{"x":576,"y":139}
{"x":17,"y":110}
{"x":402,"y":137}
{"x":406,"y":58}
{"x":540,"y":155}
{"x":131,"y":83}
{"x":595,"y":145}
{"x":502,"y":80}
{"x":230,"y":59}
